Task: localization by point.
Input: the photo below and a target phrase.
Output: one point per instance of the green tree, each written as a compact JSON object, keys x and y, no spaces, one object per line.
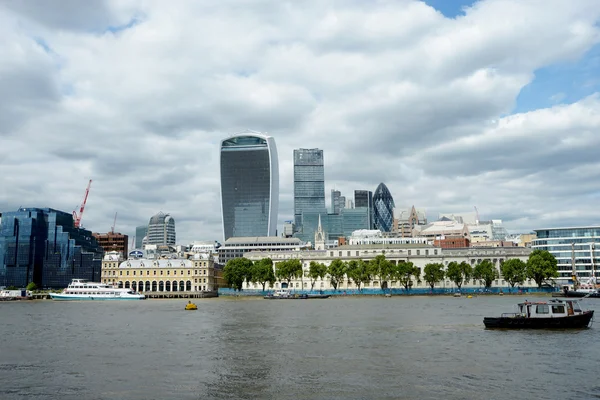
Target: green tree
{"x":459,"y":273}
{"x":383,"y":269}
{"x":433,"y":273}
{"x":262,"y":272}
{"x":541,"y":266}
{"x":359,"y":272}
{"x":236,"y":271}
{"x":404,"y":273}
{"x":337,"y":271}
{"x":486,"y":272}
{"x":288,"y":270}
{"x":514,"y":271}
{"x":31,"y":286}
{"x":316,"y":270}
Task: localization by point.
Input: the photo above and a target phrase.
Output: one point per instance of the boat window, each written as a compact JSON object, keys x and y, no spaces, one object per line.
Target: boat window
{"x":558,"y":309}
{"x":576,"y":307}
{"x":542,"y":309}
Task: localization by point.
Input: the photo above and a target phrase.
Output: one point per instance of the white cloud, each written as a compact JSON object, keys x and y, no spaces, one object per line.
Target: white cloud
{"x":391,"y":91}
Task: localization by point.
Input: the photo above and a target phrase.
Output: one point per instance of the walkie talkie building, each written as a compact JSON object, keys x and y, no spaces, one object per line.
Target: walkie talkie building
{"x":249,"y":185}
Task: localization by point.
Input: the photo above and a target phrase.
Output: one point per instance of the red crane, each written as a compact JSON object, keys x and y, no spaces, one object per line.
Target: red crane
{"x":77,"y":218}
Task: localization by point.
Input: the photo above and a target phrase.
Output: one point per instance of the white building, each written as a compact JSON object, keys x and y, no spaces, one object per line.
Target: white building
{"x":375,"y":236}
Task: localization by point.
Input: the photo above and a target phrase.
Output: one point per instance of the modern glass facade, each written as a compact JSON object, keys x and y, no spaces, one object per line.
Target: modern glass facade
{"x":41,"y":245}
{"x":579,"y":246}
{"x":309,"y":185}
{"x":140,"y":234}
{"x":364,"y":198}
{"x":383,"y":209}
{"x":249,"y":185}
{"x":334,"y":225}
{"x":161,"y":230}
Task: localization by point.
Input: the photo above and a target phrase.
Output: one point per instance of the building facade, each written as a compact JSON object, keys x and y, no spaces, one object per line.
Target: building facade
{"x":42,"y":245}
{"x":364,"y":198}
{"x":383,"y":209}
{"x":419,"y":254}
{"x":309,"y":187}
{"x":140,"y":235}
{"x":197,"y":274}
{"x":113,"y":241}
{"x":161,"y":230}
{"x":575,"y":249}
{"x":236,"y":247}
{"x":249,"y":185}
{"x":405,"y":221}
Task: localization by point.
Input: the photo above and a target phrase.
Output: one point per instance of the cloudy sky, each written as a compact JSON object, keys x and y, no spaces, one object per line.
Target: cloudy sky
{"x":453,"y":104}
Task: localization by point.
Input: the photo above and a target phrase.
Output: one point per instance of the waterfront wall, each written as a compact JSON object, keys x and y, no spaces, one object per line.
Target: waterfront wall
{"x":395,"y":291}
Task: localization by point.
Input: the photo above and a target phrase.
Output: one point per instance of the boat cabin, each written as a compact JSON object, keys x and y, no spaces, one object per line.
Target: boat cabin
{"x":549,"y":309}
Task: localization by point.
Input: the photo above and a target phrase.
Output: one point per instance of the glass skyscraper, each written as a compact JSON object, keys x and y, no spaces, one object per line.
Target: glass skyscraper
{"x":249,"y":185}
{"x":364,"y":198}
{"x":383,"y":209}
{"x":140,"y":234}
{"x":309,"y":185}
{"x":41,"y":245}
{"x":161,"y":230}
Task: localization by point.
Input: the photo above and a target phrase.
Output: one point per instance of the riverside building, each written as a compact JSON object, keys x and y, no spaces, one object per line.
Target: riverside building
{"x":249,"y":185}
{"x":420,"y":254}
{"x":196,"y":274}
{"x":42,"y":245}
{"x":572,"y":247}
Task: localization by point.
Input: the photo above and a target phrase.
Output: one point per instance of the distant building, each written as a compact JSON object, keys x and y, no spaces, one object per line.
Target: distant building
{"x":463,"y":218}
{"x":574,"y":248}
{"x":140,"y":235}
{"x":41,"y":245}
{"x":452,"y":242}
{"x":309,"y":187}
{"x":483,"y":231}
{"x":405,"y":221}
{"x":161,"y":230}
{"x":113,"y":241}
{"x":443,"y":229}
{"x":364,"y":198}
{"x":364,"y":237}
{"x":236,"y":247}
{"x":494,"y":243}
{"x":249,"y":185}
{"x":383,"y":209}
{"x":349,"y":203}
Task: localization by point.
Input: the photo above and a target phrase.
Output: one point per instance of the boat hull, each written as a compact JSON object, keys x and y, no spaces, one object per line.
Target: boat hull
{"x":571,"y":322}
{"x":67,"y":297}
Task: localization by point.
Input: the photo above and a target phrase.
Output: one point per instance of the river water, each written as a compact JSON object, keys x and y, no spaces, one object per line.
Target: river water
{"x":338,"y":348}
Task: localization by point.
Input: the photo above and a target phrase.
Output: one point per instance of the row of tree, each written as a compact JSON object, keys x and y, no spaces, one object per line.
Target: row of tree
{"x":540,"y":267}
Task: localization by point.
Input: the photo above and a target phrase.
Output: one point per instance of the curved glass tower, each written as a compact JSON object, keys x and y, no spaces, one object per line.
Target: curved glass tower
{"x":383,"y":208}
{"x":249,"y":185}
{"x":161,"y":230}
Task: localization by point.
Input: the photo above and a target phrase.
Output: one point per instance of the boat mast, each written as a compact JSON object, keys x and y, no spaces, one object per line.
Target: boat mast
{"x":593,"y":265}
{"x":574,"y":272}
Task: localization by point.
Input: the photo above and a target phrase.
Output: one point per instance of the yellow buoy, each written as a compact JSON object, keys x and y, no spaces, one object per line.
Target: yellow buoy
{"x":469,"y":297}
{"x":191,"y":306}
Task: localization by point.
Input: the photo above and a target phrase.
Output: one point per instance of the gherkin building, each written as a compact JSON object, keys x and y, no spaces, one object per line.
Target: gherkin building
{"x":383,"y":208}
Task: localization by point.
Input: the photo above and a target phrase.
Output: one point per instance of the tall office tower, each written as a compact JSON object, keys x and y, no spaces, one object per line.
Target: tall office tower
{"x":309,"y":185}
{"x":336,"y":201}
{"x":383,"y":209}
{"x":140,"y":233}
{"x":161,"y":230}
{"x":42,"y":245}
{"x":249,"y":185}
{"x":364,"y":198}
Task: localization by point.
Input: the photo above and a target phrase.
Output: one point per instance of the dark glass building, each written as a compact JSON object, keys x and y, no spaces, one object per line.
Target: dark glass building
{"x":383,"y":209}
{"x":41,"y":245}
{"x":309,"y":186}
{"x":249,"y":185}
{"x":364,"y":198}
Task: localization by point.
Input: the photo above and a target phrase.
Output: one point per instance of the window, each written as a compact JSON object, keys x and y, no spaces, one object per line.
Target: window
{"x":127,"y":273}
{"x":357,"y":253}
{"x":426,"y":252}
{"x":558,"y":309}
{"x":435,"y":252}
{"x":168,"y":272}
{"x":409,"y":252}
{"x":542,"y":309}
{"x":154,"y":272}
{"x":161,"y":272}
{"x":120,"y":272}
{"x":189,"y":272}
{"x":418,"y":252}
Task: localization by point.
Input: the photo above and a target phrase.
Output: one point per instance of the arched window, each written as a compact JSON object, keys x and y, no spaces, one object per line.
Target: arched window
{"x":167,"y":286}
{"x":127,"y":285}
{"x":188,"y":286}
{"x":120,"y":285}
{"x":154,"y":286}
{"x":181,"y":286}
{"x":147,"y":286}
{"x":161,"y":286}
{"x":174,"y":286}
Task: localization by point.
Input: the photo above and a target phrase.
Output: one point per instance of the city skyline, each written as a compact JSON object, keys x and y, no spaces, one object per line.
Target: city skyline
{"x":453,"y":105}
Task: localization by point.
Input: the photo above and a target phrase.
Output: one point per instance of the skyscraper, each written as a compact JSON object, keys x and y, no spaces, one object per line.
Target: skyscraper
{"x":249,"y":185}
{"x":309,"y":184}
{"x":336,"y":197}
{"x":383,"y":209}
{"x":161,"y":230}
{"x":140,"y":234}
{"x":364,"y":198}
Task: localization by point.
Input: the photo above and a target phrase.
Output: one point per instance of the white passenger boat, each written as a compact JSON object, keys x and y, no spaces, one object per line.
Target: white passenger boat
{"x":81,"y":289}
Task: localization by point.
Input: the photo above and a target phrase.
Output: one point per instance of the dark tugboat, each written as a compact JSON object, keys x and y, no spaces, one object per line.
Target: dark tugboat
{"x":552,"y":314}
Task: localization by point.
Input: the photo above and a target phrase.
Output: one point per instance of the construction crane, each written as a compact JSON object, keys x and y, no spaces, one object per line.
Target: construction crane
{"x":112,"y":229}
{"x":476,"y":213}
{"x":76,"y":217}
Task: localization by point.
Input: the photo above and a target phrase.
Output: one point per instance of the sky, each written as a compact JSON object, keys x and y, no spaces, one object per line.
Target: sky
{"x":454,"y":105}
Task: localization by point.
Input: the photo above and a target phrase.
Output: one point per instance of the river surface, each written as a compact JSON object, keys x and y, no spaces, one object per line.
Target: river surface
{"x":338,"y":348}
